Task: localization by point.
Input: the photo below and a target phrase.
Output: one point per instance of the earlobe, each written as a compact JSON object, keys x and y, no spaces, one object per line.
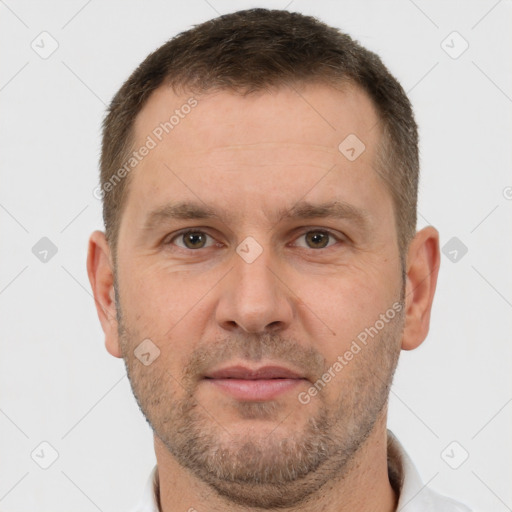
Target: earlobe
{"x":423,"y":260}
{"x":101,"y":277}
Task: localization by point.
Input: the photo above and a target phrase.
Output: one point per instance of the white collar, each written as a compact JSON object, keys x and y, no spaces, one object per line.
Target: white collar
{"x":414,"y":495}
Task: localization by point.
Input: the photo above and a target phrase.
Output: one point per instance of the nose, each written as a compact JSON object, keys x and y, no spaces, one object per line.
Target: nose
{"x":254,"y":298}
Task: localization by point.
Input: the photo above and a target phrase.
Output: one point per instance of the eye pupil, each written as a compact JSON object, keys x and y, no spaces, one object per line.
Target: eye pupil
{"x":194,"y":240}
{"x":317,"y":239}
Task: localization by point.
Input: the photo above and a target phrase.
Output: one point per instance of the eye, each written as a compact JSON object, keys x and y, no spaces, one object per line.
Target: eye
{"x":191,"y":240}
{"x":317,"y":239}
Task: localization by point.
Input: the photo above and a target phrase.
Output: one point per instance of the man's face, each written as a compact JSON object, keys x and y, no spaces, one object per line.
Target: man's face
{"x":266,"y":281}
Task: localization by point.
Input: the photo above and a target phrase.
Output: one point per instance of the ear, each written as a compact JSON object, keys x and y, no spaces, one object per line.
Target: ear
{"x":423,"y":260}
{"x":101,"y":277}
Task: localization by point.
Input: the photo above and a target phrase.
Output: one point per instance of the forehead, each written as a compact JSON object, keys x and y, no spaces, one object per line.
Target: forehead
{"x":255,"y":147}
{"x":311,"y":114}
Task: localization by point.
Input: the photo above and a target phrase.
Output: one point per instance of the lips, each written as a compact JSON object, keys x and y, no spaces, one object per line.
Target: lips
{"x":254,"y":384}
{"x":263,"y":373}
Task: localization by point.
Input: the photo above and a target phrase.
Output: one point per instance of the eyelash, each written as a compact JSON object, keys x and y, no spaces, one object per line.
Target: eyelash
{"x":184,"y":232}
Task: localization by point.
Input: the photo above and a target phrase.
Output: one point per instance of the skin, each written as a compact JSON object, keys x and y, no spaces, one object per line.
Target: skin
{"x":296,"y":305}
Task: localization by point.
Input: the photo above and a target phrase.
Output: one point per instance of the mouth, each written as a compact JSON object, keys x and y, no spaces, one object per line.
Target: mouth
{"x":255,"y":384}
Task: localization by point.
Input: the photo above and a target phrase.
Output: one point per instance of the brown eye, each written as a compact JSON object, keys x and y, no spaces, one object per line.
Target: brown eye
{"x":317,"y":239}
{"x":192,"y":240}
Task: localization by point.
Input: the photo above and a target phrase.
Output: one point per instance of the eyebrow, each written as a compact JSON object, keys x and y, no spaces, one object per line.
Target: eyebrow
{"x":332,"y":209}
{"x":189,"y":210}
{"x":183,"y":210}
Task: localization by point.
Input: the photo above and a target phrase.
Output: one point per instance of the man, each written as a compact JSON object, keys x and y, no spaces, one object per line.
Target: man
{"x":261,"y":270}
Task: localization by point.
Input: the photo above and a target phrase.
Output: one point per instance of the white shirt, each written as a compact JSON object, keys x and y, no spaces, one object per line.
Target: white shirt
{"x":414,"y":495}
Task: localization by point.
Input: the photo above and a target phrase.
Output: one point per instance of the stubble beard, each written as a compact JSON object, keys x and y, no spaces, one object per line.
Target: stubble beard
{"x":285,"y":466}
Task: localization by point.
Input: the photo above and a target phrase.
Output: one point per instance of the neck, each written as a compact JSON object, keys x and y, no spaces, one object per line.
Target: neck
{"x":365,"y":486}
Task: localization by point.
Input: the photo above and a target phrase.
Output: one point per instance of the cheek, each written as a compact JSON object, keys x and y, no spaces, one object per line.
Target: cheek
{"x":149,"y":290}
{"x":165,"y":306}
{"x":343,"y":308}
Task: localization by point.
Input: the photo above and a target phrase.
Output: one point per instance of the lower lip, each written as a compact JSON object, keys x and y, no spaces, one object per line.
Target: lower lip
{"x":257,"y":389}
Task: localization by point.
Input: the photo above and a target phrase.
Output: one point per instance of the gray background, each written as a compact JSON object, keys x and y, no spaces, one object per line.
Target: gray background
{"x":57,"y":382}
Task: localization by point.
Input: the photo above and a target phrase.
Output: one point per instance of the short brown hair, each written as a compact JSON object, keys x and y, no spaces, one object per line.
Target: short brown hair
{"x":255,"y":50}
